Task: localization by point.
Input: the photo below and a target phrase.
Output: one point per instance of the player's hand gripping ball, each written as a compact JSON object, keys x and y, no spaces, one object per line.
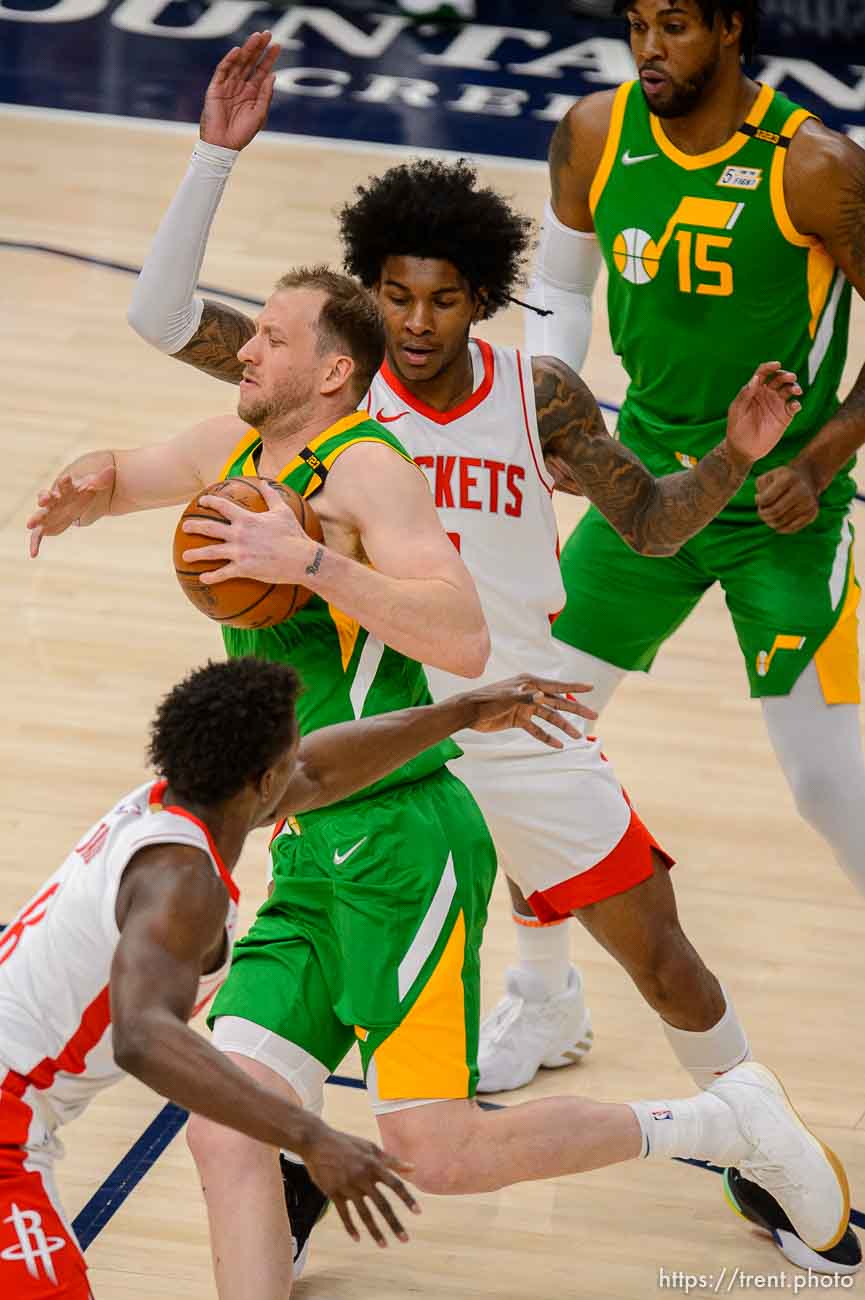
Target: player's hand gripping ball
{"x":241,"y":602}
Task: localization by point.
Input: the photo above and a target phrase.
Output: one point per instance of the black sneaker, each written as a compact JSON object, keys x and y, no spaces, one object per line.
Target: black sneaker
{"x":305,"y":1205}
{"x":758,"y":1206}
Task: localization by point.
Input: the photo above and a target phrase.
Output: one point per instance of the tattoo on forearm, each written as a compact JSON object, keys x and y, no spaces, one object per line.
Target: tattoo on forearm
{"x":851,"y":221}
{"x":214,"y":346}
{"x":315,"y":563}
{"x":654,"y":516}
{"x":559,"y":156}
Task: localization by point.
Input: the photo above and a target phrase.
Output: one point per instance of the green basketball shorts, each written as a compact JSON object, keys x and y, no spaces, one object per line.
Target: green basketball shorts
{"x":372,"y":933}
{"x":792,"y":598}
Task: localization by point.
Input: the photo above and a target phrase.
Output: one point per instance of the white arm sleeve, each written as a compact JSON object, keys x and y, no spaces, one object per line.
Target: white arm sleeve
{"x":165,"y":310}
{"x":565,"y":272}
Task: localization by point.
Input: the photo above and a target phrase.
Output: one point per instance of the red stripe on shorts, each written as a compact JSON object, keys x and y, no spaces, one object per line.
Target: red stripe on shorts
{"x":627,"y":865}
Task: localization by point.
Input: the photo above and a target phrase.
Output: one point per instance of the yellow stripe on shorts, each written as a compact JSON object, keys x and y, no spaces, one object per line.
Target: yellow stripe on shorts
{"x":425,"y":1056}
{"x":837,"y":660}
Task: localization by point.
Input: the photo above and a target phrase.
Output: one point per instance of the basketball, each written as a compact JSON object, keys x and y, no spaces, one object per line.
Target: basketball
{"x":240,"y":602}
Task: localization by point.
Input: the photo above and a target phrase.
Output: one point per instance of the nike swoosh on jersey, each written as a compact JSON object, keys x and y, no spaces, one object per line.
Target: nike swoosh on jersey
{"x":389,"y":419}
{"x":338,"y":857}
{"x":628,"y":159}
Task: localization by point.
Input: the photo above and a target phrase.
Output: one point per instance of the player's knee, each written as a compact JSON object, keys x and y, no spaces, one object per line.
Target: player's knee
{"x":216,"y":1149}
{"x":666,"y":965}
{"x":438,"y":1172}
{"x":438,"y":1154}
{"x":815,"y":792}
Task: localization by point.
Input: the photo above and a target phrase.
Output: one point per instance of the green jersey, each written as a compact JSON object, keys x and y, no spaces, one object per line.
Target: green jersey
{"x":708,"y":277}
{"x":346,"y":672}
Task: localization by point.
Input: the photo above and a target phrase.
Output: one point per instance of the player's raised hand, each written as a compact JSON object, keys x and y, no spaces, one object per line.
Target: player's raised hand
{"x":787,"y":499}
{"x":351,"y":1172}
{"x":69,"y":501}
{"x":238,"y":97}
{"x":520,"y":701}
{"x":762,"y":410}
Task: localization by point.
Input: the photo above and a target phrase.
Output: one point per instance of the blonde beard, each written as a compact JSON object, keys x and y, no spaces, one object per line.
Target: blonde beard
{"x":284,"y":407}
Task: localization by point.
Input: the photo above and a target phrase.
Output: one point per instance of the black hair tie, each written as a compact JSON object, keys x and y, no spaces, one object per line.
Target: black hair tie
{"x":541,"y":311}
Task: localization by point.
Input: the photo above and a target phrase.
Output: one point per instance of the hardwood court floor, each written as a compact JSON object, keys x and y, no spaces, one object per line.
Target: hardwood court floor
{"x":96,"y":629}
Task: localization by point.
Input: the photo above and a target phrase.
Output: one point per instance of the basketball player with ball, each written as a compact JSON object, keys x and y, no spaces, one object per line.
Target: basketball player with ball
{"x":495,"y":433}
{"x":372,"y":931}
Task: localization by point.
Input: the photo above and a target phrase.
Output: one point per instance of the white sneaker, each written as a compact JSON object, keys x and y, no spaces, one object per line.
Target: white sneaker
{"x":526,"y":1031}
{"x":806,"y":1178}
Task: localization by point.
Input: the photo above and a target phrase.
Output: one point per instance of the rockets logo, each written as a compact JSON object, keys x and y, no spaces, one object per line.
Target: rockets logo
{"x":33,"y":1247}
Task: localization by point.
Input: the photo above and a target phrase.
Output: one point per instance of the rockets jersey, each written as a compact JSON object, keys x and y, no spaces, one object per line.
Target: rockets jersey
{"x":494,"y":497}
{"x":56,"y":1049}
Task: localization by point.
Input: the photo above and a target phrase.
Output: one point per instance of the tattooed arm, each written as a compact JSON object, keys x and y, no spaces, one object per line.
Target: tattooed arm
{"x":214,"y":346}
{"x":654,"y":516}
{"x":165,"y":309}
{"x":235,"y":109}
{"x":824,"y":186}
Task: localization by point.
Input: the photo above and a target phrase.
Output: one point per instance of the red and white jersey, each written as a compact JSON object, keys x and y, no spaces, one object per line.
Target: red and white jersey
{"x":56,"y":1047}
{"x":494,"y":496}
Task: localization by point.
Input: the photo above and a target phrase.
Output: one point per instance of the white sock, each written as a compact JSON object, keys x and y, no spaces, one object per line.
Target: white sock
{"x":697,"y":1128}
{"x":544,"y":953}
{"x":708,"y":1053}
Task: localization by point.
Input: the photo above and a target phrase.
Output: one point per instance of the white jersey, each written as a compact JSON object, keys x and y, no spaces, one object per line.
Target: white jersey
{"x":494,"y":497}
{"x":563,"y":828}
{"x":56,"y":1047}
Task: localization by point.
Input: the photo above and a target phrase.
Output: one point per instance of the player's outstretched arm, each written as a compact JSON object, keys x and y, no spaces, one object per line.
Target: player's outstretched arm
{"x":165,"y":309}
{"x":655,"y":516}
{"x":824,"y":184}
{"x":414,"y":594}
{"x":80,"y":494}
{"x":171,"y":911}
{"x":102,"y":483}
{"x":335,"y":762}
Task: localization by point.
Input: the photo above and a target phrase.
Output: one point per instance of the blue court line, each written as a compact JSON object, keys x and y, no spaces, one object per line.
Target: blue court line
{"x":141,"y":1157}
{"x":29,"y":246}
{"x":126,"y":1175}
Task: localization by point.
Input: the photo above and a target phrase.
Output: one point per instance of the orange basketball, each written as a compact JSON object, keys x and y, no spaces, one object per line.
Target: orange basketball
{"x":240,"y":602}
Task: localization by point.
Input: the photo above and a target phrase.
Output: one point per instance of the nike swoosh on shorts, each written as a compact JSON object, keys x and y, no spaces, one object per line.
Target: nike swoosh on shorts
{"x":339,"y":858}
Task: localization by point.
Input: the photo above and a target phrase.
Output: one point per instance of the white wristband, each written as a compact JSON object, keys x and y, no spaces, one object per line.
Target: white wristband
{"x":223,"y":159}
{"x":566,"y":269}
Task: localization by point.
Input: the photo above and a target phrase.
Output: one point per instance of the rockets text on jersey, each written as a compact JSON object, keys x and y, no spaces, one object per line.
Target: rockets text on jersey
{"x":485,"y":467}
